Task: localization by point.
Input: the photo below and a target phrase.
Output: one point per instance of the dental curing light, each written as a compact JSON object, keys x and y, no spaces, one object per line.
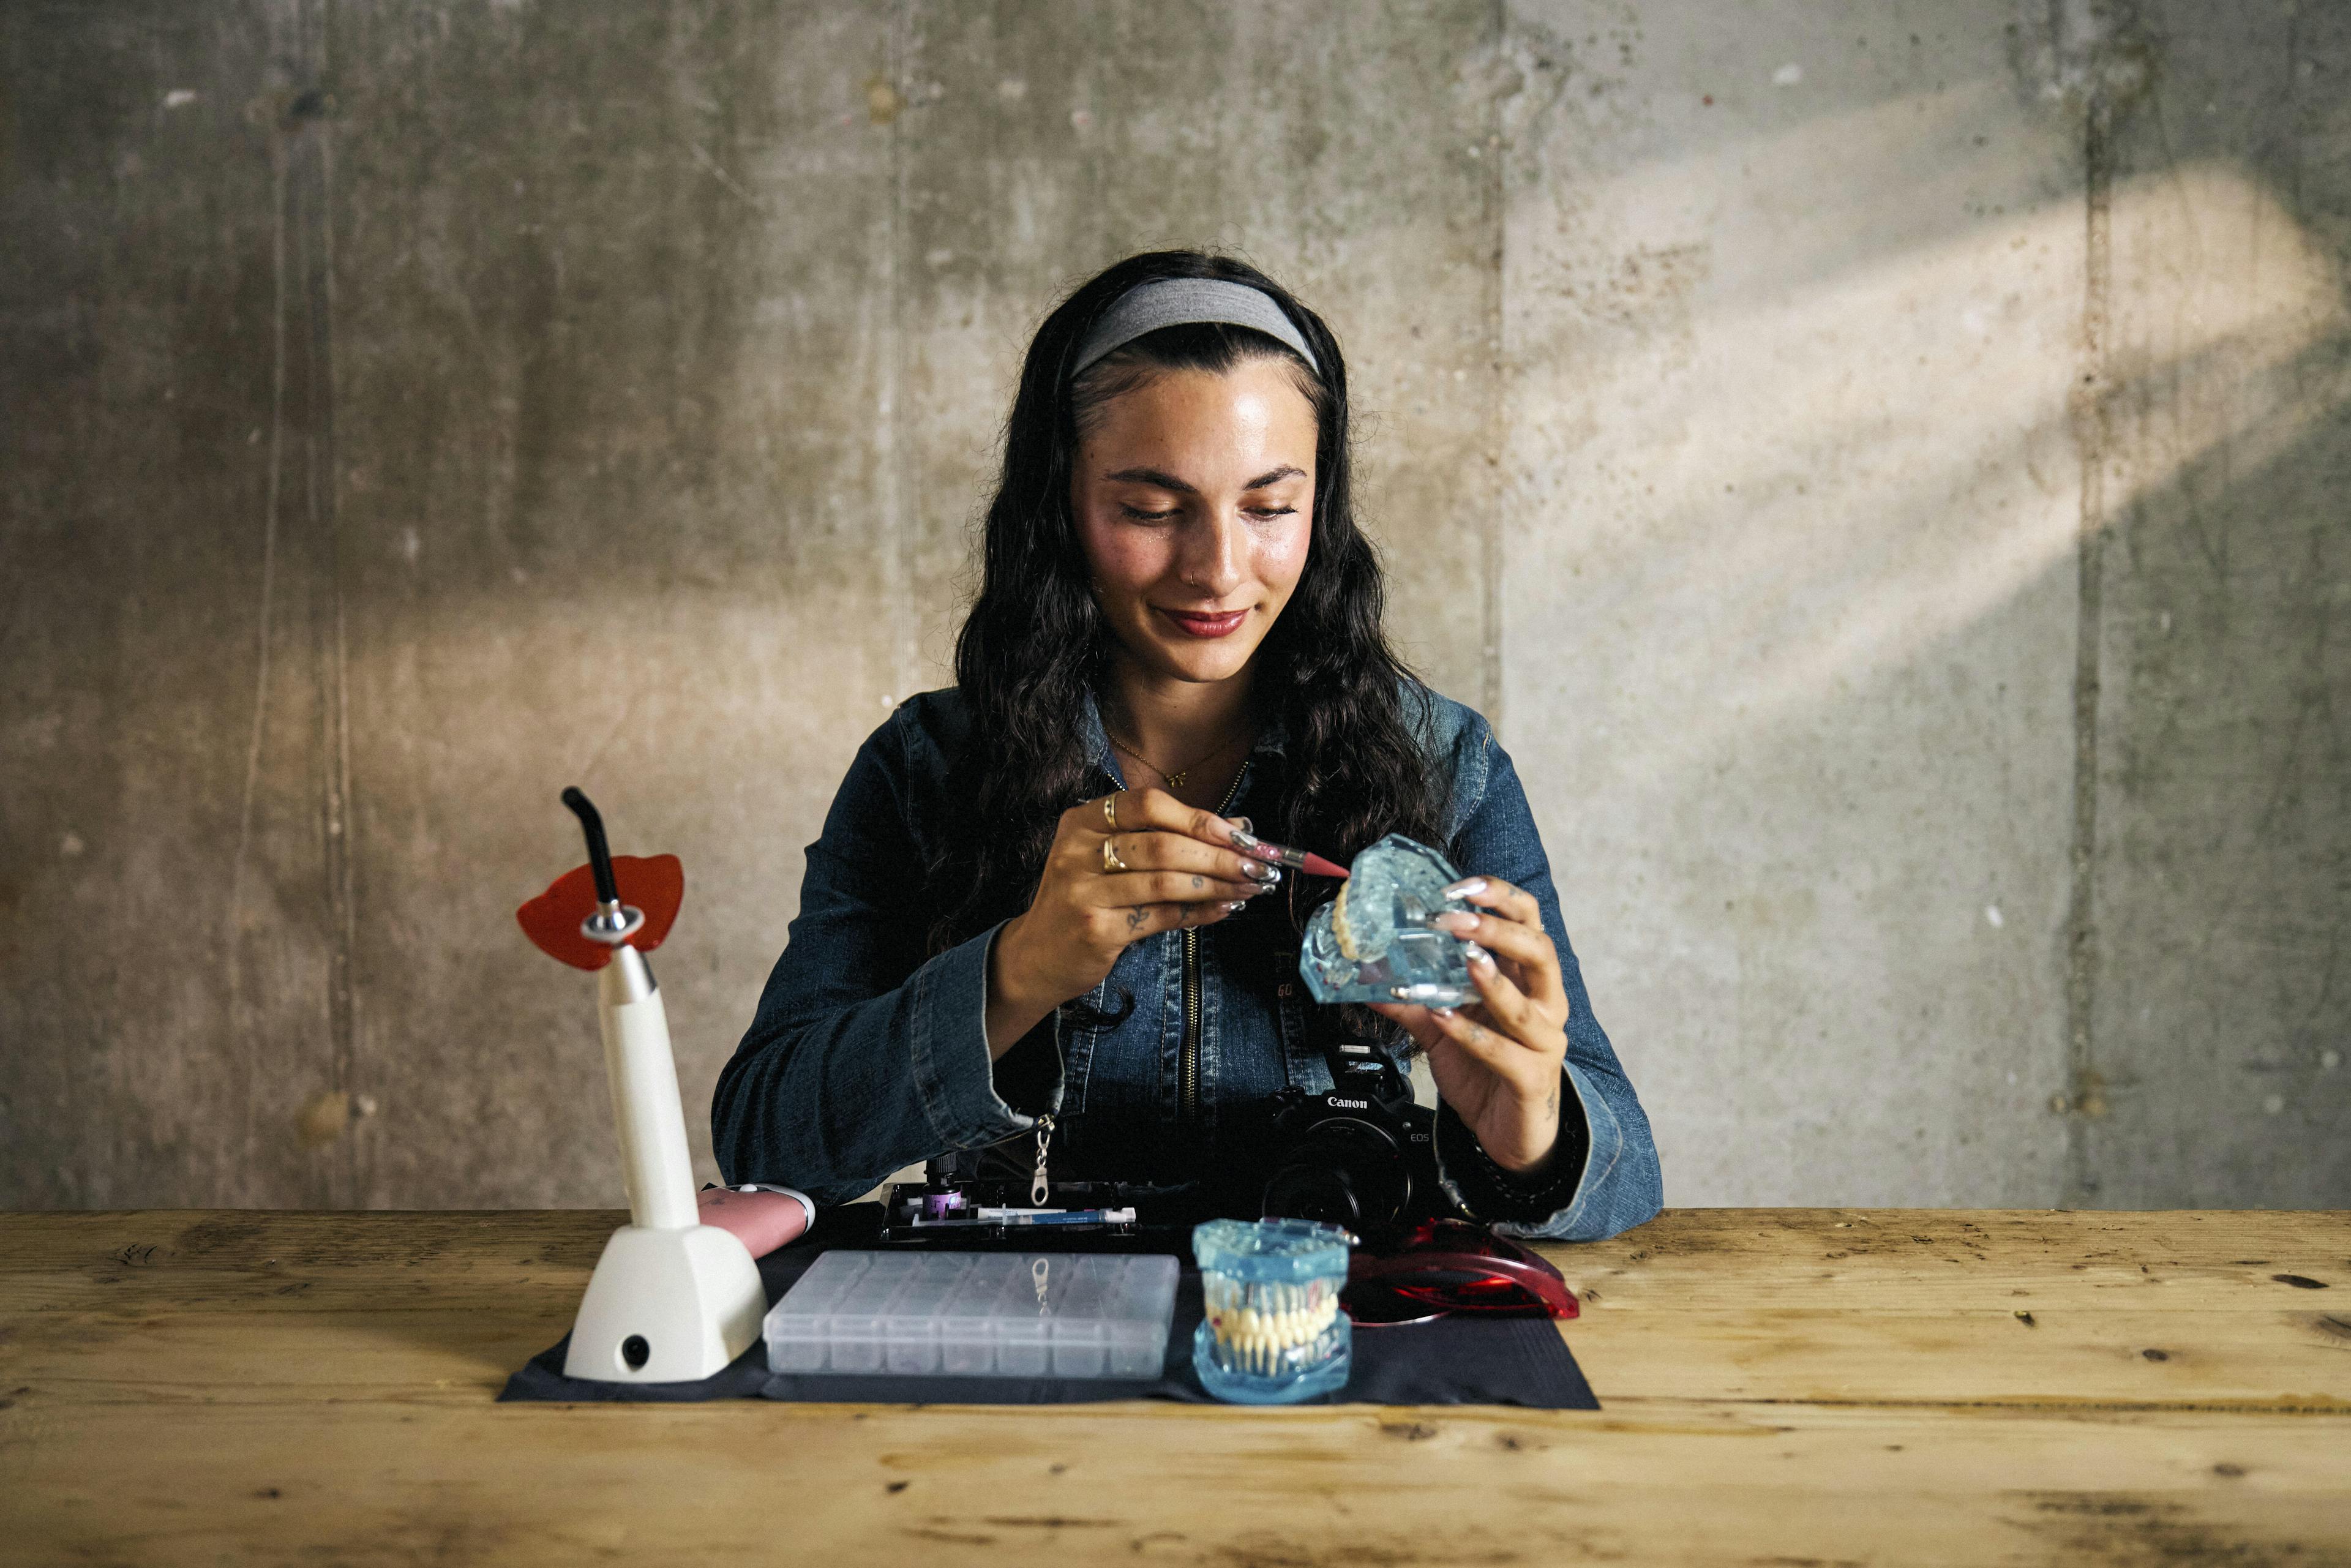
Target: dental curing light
{"x":672,"y":1298}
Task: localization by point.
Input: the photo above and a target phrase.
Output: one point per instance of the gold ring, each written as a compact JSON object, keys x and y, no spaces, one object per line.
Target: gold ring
{"x":1109,"y":811}
{"x":1111,"y":861}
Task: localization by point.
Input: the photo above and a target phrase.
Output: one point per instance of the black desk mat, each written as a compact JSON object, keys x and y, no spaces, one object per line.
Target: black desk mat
{"x":1522,"y":1362}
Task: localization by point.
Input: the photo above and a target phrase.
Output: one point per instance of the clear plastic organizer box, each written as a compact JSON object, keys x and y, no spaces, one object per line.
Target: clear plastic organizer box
{"x":999,"y":1315}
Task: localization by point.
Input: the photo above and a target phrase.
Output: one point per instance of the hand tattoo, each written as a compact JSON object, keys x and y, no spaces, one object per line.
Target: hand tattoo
{"x":1135,"y":916}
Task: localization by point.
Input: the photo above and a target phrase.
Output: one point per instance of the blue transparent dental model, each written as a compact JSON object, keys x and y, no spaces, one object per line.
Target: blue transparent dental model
{"x":1375,"y":944}
{"x":1273,"y":1334}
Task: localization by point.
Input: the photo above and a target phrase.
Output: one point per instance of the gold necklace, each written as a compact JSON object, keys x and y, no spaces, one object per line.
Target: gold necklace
{"x":1174,"y":780}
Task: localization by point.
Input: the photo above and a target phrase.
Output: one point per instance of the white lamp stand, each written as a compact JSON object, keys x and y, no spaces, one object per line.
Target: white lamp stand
{"x":672,"y":1300}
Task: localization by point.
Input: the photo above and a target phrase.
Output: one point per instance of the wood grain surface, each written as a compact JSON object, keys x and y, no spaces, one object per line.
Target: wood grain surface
{"x":1780,"y":1387}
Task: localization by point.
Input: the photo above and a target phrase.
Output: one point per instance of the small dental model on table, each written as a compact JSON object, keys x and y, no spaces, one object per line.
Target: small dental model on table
{"x":672,"y":1300}
{"x":1273,"y":1334}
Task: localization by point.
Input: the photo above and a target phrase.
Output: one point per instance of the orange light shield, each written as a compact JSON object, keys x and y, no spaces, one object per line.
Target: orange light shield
{"x":654,"y":883}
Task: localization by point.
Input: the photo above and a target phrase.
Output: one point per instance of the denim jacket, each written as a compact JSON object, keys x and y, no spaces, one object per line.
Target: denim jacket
{"x":866,"y":1055}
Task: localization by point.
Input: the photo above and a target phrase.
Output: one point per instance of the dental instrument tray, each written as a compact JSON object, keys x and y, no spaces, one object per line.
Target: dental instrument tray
{"x":977,"y":1315}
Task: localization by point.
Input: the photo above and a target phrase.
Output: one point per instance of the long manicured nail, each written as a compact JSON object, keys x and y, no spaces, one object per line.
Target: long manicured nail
{"x":1460,"y":922}
{"x":1244,"y":839}
{"x":1257,"y":870}
{"x":1243,"y":823}
{"x":1441,"y":1012}
{"x":1236,"y":906}
{"x":1479,"y":957}
{"x":1467,"y":887}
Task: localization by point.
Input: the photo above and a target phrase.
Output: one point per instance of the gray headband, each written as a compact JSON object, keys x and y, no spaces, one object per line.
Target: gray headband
{"x":1183,"y":301}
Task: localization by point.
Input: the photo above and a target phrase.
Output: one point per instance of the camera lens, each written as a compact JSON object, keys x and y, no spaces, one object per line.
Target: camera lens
{"x":1343,"y":1172}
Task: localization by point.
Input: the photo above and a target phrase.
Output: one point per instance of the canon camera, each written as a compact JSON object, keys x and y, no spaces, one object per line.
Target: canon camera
{"x":1362,"y":1155}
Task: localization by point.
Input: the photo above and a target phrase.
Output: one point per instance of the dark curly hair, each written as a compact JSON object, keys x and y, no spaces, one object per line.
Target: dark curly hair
{"x":1036,"y":640}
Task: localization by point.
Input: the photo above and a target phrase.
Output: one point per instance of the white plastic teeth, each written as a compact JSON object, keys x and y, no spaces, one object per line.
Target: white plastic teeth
{"x":1264,"y":1328}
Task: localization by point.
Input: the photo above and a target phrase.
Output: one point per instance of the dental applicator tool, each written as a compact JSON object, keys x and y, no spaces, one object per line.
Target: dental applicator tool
{"x":672,"y":1300}
{"x":1306,"y":861}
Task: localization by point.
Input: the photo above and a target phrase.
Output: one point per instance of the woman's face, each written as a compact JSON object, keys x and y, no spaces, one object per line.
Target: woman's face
{"x":1195,"y":501}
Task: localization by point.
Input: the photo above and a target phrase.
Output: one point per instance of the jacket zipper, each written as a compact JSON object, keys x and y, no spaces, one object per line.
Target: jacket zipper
{"x":1188,"y":1065}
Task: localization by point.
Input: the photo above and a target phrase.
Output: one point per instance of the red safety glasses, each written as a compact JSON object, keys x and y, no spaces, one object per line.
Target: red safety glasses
{"x":1451,"y":1267}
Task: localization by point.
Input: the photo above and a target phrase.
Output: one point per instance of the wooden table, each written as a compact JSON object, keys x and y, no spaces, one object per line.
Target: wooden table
{"x":1782,"y":1387}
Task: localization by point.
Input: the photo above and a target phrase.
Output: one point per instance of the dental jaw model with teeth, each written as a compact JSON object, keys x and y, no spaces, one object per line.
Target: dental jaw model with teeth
{"x":672,"y":1300}
{"x":1273,"y":1334}
{"x":1262,"y":1330}
{"x":1377,"y":943}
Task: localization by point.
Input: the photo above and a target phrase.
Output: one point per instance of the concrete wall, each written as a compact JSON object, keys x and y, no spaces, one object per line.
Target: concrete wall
{"x":1882,"y":466}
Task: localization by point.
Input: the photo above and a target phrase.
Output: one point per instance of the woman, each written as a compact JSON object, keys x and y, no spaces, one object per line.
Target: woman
{"x":1032,"y":911}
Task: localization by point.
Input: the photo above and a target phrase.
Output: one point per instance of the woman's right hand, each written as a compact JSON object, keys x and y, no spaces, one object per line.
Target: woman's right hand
{"x":1169,"y":864}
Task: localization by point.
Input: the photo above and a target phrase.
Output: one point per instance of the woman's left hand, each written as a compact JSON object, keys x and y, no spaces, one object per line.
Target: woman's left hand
{"x":1498,"y":1061}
